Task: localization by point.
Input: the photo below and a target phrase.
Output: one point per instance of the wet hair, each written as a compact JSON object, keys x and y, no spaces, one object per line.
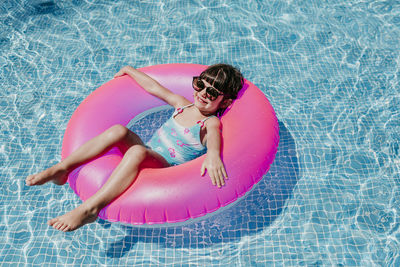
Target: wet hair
{"x":225,"y":78}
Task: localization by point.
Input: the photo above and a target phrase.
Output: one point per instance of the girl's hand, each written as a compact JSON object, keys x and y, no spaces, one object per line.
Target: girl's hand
{"x":123,"y":71}
{"x":215,"y":168}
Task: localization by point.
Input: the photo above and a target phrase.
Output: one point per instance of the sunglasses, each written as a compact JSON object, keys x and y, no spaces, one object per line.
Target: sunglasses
{"x":211,"y":92}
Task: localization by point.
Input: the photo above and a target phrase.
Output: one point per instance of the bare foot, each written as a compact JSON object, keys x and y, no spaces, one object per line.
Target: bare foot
{"x":74,"y":219}
{"x":57,"y":174}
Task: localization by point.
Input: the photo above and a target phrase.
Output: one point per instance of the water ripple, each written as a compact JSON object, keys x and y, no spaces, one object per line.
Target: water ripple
{"x":330,"y":70}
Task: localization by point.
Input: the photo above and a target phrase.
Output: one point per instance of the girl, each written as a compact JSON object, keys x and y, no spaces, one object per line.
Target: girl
{"x":191,"y":131}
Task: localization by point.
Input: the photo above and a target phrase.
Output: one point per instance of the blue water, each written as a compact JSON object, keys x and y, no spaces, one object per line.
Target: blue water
{"x":329,"y":68}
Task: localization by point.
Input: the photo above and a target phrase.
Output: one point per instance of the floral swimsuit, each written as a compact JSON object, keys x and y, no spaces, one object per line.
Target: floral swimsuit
{"x":176,"y":143}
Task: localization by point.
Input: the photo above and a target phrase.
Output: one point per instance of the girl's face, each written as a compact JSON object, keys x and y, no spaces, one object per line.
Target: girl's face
{"x":203,"y":103}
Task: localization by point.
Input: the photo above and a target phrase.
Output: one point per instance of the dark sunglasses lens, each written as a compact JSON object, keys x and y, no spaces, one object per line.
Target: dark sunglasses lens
{"x":200,"y":84}
{"x":212,"y":94}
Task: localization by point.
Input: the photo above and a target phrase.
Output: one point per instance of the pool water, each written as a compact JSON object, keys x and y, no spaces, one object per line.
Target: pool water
{"x":329,"y":68}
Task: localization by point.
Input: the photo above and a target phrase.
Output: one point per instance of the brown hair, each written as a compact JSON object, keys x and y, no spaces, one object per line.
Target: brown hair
{"x":226,"y":78}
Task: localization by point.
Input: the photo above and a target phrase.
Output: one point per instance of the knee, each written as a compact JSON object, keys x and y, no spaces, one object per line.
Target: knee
{"x":117,"y":132}
{"x":136,"y":153}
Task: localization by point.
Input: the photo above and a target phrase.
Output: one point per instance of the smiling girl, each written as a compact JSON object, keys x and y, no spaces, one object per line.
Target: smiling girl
{"x":193,"y":130}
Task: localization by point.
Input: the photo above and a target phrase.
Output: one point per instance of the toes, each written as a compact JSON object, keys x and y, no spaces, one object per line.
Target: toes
{"x":52,"y":222}
{"x":64,"y":228}
{"x":57,"y":225}
{"x":61,"y":226}
{"x":29,"y":179}
{"x":32,"y":180}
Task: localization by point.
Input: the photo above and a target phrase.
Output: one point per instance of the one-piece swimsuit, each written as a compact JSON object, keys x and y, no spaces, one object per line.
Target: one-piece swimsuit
{"x":176,"y":143}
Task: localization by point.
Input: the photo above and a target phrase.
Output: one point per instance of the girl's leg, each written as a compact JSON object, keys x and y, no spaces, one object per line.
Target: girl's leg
{"x":135,"y":158}
{"x":116,"y":135}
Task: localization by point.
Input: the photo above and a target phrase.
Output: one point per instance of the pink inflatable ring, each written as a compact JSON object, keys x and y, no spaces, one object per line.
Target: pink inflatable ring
{"x":175,"y":194}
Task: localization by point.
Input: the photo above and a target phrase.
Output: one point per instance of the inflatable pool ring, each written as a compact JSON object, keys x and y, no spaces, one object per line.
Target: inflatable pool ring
{"x":174,"y":194}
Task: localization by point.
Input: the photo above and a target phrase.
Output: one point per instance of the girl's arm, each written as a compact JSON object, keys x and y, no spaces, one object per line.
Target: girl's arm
{"x":213,"y":162}
{"x":153,"y":87}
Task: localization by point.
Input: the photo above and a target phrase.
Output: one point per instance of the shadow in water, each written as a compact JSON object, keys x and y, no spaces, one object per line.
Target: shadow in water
{"x":247,"y":216}
{"x":45,"y":7}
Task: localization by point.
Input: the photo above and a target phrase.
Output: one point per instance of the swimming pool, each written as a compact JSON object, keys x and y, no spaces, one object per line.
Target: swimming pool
{"x":329,"y":68}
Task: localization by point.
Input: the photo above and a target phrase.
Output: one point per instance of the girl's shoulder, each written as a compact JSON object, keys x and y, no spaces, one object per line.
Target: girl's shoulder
{"x":212,"y":122}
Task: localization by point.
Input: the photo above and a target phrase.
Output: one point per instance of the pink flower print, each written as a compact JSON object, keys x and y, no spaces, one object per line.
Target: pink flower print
{"x":171,"y":152}
{"x":180,"y":143}
{"x":186,"y":131}
{"x":173,"y":132}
